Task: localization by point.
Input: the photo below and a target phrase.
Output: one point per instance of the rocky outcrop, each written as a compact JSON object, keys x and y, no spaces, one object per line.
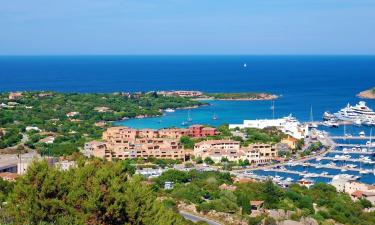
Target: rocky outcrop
{"x":369,"y":94}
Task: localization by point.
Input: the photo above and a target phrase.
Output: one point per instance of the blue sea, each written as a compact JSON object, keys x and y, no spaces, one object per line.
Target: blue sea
{"x":321,"y":82}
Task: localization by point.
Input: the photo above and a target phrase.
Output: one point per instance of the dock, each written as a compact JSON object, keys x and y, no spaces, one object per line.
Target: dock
{"x":346,"y":160}
{"x":353,"y":145}
{"x":298,"y":173}
{"x":352,"y":137}
{"x":352,"y":152}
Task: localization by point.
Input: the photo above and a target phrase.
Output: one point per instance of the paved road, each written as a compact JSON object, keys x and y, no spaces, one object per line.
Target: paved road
{"x":195,"y":218}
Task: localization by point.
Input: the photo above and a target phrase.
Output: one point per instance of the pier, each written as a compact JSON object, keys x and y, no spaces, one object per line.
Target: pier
{"x":299,"y":173}
{"x":352,"y":152}
{"x":346,"y":160}
{"x":352,"y":137}
{"x":354,"y":145}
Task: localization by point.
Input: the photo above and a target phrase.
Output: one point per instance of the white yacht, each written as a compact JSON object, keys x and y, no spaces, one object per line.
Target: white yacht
{"x":358,"y":113}
{"x":169,"y":110}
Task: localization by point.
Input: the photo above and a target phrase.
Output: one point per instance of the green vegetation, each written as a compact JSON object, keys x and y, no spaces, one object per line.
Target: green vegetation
{"x":202,"y":190}
{"x":373,"y":90}
{"x":243,"y":95}
{"x":96,"y":192}
{"x":99,"y":192}
{"x":49,"y":113}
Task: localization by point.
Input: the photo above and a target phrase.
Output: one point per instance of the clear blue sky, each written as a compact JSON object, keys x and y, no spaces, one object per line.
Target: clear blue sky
{"x":187,"y":27}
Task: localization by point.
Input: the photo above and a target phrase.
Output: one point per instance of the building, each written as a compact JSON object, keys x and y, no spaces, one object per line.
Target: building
{"x":288,"y":125}
{"x":8,"y":176}
{"x":355,"y":189}
{"x":227,"y":187}
{"x":102,"y":109}
{"x":15,"y":95}
{"x":232,"y":151}
{"x":48,"y":140}
{"x":181,"y":93}
{"x":290,"y":141}
{"x":125,"y":143}
{"x":31,"y":128}
{"x":72,"y":114}
{"x":201,"y":131}
{"x":65,"y":165}
{"x":95,"y":148}
{"x":370,"y":196}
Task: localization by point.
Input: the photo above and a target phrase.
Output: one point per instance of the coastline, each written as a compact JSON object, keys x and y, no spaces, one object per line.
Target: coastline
{"x":368,"y":94}
{"x":265,"y":98}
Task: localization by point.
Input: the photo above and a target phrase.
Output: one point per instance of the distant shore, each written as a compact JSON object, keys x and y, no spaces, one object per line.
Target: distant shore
{"x":238,"y":96}
{"x":368,"y":94}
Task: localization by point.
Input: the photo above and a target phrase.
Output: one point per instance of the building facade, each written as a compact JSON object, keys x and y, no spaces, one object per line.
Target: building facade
{"x":125,"y":143}
{"x":232,"y":151}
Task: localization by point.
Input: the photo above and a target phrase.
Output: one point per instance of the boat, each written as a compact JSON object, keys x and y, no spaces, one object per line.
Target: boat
{"x":184,"y":123}
{"x":343,"y":170}
{"x":214,"y":117}
{"x":245,"y":65}
{"x":169,"y":110}
{"x":328,"y":116}
{"x":332,"y":164}
{"x":289,"y":179}
{"x":362,"y":134}
{"x":189,"y":119}
{"x":356,"y":114}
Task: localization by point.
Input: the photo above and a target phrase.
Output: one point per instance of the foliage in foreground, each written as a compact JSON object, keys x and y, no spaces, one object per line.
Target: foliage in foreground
{"x":96,"y":192}
{"x":202,"y":189}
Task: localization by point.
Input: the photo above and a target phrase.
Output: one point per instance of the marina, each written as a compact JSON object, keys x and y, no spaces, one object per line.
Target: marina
{"x":355,"y":163}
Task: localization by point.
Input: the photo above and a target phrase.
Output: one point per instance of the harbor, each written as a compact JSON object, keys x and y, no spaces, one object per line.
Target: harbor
{"x":352,"y":164}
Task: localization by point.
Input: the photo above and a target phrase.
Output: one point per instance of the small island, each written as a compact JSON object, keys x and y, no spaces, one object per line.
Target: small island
{"x":246,"y":96}
{"x":368,"y":94}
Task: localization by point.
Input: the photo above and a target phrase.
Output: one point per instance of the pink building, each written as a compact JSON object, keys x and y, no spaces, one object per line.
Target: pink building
{"x":201,"y":131}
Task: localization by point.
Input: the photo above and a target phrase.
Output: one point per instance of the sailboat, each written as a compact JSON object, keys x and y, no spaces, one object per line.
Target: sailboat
{"x":245,"y":65}
{"x":189,"y":119}
{"x":273,"y":109}
{"x":312,"y":124}
{"x":369,"y":143}
{"x":214,"y":117}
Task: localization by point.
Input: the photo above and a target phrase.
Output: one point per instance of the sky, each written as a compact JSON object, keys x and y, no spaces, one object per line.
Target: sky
{"x":158,"y":27}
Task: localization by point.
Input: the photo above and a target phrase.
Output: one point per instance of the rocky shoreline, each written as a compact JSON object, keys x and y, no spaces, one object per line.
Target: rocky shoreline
{"x":368,"y":94}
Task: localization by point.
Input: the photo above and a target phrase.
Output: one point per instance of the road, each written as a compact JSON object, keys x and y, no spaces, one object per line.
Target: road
{"x":196,"y":218}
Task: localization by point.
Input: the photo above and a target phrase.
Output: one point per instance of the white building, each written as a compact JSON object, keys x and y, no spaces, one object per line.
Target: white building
{"x":288,"y":125}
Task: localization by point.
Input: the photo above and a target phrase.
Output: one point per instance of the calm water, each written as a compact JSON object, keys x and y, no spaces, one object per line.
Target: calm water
{"x":323,"y":82}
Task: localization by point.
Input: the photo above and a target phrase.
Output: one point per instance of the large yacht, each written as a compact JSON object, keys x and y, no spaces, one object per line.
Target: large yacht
{"x":359,"y":112}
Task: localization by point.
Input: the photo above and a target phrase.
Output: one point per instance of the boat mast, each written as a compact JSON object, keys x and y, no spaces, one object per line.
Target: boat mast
{"x":273,"y":109}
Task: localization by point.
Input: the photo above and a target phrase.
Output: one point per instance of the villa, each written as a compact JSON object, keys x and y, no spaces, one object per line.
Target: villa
{"x":232,"y":151}
{"x":124,"y":143}
{"x":288,"y":125}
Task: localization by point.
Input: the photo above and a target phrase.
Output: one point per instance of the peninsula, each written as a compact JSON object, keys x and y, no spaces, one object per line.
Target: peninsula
{"x":368,"y":94}
{"x":199,"y":95}
{"x":249,"y":96}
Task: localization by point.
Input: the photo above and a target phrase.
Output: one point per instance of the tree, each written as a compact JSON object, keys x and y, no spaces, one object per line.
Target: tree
{"x":208,"y":161}
{"x":271,"y":193}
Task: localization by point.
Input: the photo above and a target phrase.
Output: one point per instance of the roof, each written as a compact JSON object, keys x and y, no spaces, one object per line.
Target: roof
{"x":209,"y":128}
{"x":218,"y":142}
{"x":256,"y":202}
{"x":227,"y":187}
{"x":290,"y":138}
{"x":243,"y":180}
{"x":8,"y":176}
{"x":357,"y":194}
{"x":196,"y":126}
